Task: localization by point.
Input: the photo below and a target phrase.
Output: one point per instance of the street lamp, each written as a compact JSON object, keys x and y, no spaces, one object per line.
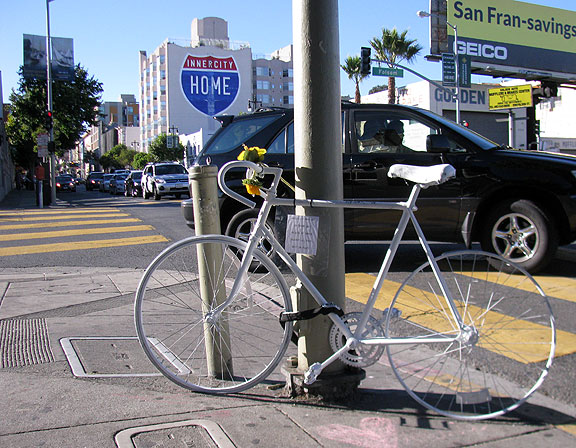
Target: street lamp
{"x":425,"y":14}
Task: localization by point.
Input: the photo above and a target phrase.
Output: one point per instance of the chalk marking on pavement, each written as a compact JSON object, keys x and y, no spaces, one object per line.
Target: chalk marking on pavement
{"x":43,"y":225}
{"x":359,"y":286}
{"x":73,"y":232}
{"x":80,"y":245}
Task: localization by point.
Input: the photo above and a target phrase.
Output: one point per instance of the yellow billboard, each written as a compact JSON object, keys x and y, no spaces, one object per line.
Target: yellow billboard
{"x":514,"y":33}
{"x":514,"y":22}
{"x":510,"y":97}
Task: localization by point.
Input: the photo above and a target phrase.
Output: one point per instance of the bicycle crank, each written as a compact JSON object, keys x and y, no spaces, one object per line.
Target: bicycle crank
{"x":362,"y":355}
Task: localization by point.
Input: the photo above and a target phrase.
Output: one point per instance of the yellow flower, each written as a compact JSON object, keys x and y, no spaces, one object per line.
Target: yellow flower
{"x":252,"y":154}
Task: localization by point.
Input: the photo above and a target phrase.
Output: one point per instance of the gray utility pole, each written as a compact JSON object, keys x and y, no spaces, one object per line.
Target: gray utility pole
{"x":49,"y":90}
{"x":318,"y":161}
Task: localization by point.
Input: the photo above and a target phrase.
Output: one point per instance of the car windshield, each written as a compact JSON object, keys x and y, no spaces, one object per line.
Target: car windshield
{"x":136,"y":176}
{"x":236,"y":133}
{"x":476,"y":138}
{"x":64,"y":179}
{"x":170,"y":169}
{"x":95,"y":175}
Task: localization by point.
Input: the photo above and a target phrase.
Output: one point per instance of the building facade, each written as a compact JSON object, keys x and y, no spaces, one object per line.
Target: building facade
{"x":474,"y":103}
{"x":183,"y":85}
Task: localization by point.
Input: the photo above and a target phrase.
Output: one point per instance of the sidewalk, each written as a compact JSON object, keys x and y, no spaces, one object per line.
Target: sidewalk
{"x":73,"y":375}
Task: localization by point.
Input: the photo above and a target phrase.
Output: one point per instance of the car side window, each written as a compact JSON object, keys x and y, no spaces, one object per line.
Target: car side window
{"x":284,"y":142}
{"x":393,"y":132}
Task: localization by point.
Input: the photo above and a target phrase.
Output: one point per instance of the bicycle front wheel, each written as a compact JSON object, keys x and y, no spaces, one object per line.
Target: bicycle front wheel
{"x":500,"y":355}
{"x":192,"y":344}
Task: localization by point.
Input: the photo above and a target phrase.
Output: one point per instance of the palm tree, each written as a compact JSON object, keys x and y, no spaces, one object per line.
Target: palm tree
{"x":352,"y":68}
{"x":394,"y":48}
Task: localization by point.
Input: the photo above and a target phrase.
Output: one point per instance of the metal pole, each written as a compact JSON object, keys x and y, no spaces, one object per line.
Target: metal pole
{"x":204,"y":188}
{"x":49,"y":90}
{"x":318,"y":161}
{"x":455,"y":28}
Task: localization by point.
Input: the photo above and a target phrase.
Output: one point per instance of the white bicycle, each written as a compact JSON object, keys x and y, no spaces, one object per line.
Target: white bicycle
{"x":214,"y":315}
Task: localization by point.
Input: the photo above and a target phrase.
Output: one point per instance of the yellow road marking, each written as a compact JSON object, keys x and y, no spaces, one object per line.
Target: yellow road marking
{"x":43,"y":225}
{"x":73,"y":232}
{"x":557,"y":287}
{"x":52,"y":211}
{"x":506,"y":343}
{"x":80,"y":245}
{"x":56,"y":218}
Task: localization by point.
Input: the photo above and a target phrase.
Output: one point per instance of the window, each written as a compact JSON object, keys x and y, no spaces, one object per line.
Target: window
{"x":236,"y":133}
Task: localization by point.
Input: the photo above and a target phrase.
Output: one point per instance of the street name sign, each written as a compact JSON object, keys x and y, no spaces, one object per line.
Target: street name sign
{"x":510,"y":97}
{"x":386,"y":71}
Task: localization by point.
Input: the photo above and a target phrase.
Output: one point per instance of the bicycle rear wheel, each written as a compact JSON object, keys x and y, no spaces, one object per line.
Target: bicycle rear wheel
{"x":204,"y":351}
{"x":497,"y":362}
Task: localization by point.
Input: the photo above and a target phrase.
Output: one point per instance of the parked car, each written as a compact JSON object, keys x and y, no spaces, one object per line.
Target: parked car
{"x":117,"y":183}
{"x":65,"y":182}
{"x":132,"y":184}
{"x":166,"y":178}
{"x":520,"y":204}
{"x":93,"y":180}
{"x":105,"y":182}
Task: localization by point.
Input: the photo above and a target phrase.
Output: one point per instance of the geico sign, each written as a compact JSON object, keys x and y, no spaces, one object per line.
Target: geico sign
{"x":484,"y":50}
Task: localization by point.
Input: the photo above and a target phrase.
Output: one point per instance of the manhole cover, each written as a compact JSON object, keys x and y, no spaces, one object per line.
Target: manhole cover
{"x":99,"y":357}
{"x":196,"y":433}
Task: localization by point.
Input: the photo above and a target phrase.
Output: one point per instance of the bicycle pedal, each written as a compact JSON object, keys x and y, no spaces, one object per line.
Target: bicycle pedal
{"x":395,"y":313}
{"x":309,"y":314}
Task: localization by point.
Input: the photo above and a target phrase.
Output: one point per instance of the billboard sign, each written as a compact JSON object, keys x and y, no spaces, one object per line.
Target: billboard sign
{"x":210,"y":84}
{"x":514,"y":33}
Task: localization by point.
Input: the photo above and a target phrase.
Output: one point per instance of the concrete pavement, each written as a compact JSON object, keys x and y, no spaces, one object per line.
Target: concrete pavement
{"x":72,"y":375}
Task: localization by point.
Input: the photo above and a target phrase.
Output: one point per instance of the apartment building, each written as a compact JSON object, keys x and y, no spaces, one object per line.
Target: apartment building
{"x":183,"y":84}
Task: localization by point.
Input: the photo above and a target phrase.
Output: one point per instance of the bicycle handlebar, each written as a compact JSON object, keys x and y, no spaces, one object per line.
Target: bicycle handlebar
{"x":259,"y":169}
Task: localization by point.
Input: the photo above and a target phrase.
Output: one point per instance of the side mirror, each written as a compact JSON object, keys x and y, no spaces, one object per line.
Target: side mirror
{"x":437,"y":143}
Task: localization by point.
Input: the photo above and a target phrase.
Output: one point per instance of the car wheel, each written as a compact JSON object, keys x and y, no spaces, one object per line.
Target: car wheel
{"x":157,"y":196}
{"x":242,"y":224}
{"x":520,"y":231}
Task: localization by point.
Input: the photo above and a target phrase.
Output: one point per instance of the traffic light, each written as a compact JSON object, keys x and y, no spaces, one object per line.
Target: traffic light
{"x":537,"y":127}
{"x":549,"y":89}
{"x":365,"y":60}
{"x":49,"y":121}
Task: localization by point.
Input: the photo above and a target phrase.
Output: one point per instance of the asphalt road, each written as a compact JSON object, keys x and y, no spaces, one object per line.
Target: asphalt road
{"x":149,"y":226}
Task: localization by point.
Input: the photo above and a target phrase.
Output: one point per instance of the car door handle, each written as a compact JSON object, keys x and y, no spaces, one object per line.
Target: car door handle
{"x":371,"y":165}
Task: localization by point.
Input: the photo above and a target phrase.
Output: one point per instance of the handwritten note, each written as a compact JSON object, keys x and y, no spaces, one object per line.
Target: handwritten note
{"x":302,"y":234}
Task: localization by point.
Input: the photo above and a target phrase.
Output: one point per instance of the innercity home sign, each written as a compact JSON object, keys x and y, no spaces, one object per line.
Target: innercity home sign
{"x":209,"y":83}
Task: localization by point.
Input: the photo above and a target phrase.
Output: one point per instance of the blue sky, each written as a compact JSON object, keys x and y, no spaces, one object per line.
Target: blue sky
{"x":109,"y":34}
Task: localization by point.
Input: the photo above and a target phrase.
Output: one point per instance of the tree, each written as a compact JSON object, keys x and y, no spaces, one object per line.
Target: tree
{"x":141,"y":159}
{"x":75,"y":108}
{"x":120,"y":156}
{"x":352,"y":68}
{"x":394,"y":48}
{"x":377,"y":89}
{"x":159,"y":151}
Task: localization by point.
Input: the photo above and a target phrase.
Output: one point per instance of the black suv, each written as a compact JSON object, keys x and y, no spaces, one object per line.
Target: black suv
{"x":520,"y":204}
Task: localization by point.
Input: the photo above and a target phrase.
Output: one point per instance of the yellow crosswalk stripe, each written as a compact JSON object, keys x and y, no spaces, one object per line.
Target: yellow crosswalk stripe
{"x":42,"y":225}
{"x":359,"y":286}
{"x":553,"y":286}
{"x":74,"y":232}
{"x":80,"y":245}
{"x":59,"y":218}
{"x":51,"y":211}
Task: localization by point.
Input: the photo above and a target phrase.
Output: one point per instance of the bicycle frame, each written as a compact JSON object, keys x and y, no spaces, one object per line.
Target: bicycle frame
{"x":352,"y":339}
